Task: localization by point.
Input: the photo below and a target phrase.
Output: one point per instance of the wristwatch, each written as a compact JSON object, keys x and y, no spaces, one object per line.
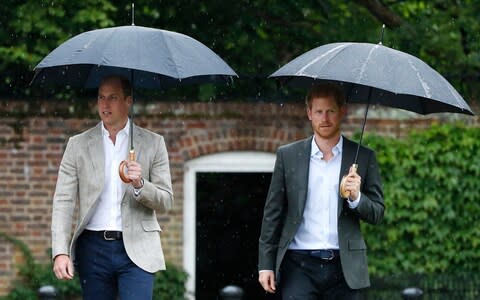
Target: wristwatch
{"x":136,"y":192}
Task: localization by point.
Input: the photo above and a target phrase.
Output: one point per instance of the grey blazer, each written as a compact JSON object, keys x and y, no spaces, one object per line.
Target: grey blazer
{"x":285,"y":204}
{"x":81,"y":179}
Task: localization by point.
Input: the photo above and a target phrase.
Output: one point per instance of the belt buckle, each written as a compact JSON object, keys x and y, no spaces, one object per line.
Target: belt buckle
{"x":332,"y":255}
{"x":320,"y":254}
{"x":107,"y":238}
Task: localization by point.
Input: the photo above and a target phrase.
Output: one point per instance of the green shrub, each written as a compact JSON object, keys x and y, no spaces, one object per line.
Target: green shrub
{"x":432,"y":197}
{"x":34,"y":275}
{"x":169,"y":284}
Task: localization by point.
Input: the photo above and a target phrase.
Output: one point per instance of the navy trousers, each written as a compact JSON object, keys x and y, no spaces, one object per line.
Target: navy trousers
{"x":107,"y":273}
{"x":304,"y":277}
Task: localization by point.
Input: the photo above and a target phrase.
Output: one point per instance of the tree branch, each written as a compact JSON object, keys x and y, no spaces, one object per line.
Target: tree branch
{"x":382,"y":13}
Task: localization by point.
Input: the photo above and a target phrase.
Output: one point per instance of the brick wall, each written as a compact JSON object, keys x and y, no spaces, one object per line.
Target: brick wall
{"x":33,"y":137}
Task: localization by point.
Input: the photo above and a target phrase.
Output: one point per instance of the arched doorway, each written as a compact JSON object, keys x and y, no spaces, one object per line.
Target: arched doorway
{"x":203,"y":170}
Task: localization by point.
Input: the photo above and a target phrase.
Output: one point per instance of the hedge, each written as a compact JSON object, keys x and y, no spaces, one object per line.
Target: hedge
{"x":432,"y":197}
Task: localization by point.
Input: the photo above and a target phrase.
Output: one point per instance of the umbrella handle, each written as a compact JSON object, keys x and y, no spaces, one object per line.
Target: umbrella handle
{"x":123,"y":165}
{"x":343,"y":192}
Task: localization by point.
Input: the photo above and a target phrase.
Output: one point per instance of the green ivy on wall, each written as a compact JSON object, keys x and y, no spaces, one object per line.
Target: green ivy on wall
{"x":432,"y":197}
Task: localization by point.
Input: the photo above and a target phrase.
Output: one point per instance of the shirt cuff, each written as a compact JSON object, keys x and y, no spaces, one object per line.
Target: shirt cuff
{"x":353,"y":204}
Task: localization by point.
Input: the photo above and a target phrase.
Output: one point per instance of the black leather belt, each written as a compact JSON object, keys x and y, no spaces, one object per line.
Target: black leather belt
{"x":105,"y":234}
{"x":324,"y":254}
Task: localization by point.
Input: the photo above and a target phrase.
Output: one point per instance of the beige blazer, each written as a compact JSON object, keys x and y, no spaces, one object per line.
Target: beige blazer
{"x":81,"y":179}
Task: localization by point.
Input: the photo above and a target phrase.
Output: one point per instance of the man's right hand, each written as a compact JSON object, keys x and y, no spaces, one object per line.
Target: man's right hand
{"x":63,"y":267}
{"x":267,"y":280}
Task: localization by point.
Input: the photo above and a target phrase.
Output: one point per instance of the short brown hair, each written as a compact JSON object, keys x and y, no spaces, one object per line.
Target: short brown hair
{"x":124,"y":82}
{"x":326,"y":89}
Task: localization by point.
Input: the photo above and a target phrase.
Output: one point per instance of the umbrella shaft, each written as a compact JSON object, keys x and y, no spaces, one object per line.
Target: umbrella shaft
{"x":363,"y":126}
{"x":132,"y":112}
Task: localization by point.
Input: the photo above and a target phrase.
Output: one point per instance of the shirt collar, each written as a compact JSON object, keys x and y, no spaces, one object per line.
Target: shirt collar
{"x":337,"y":149}
{"x":125,"y":130}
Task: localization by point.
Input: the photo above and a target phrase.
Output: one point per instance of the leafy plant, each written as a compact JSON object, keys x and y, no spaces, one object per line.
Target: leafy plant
{"x":35,"y":275}
{"x":169,"y":284}
{"x":432,"y":203}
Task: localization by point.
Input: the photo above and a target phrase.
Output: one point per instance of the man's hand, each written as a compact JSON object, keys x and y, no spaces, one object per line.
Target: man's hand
{"x":63,"y":267}
{"x":352,"y":183}
{"x":267,"y":280}
{"x":135,"y":173}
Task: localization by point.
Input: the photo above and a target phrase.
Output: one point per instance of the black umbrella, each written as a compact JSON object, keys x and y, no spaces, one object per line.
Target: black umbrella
{"x":375,"y":74}
{"x":150,"y":58}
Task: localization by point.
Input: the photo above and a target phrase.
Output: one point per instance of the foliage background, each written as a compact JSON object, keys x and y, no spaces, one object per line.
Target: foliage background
{"x":169,"y":284}
{"x":432,"y":203}
{"x":254,"y":36}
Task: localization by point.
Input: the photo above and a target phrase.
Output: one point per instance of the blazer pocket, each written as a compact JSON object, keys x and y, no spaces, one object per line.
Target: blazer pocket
{"x":357,"y":245}
{"x":150,"y":225}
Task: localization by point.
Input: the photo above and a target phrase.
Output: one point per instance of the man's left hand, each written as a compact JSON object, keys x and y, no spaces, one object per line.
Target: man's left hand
{"x":352,"y":184}
{"x":135,"y":173}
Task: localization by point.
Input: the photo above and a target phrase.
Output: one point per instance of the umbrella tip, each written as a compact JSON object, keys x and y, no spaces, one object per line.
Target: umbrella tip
{"x":133,"y":14}
{"x":381,"y":36}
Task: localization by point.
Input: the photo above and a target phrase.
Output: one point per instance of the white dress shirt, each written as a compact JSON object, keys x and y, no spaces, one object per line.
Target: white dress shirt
{"x":107,"y":215}
{"x":318,"y":229}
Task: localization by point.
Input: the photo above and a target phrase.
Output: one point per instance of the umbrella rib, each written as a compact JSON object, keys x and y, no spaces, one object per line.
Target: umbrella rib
{"x":455,"y":95}
{"x":302,"y":70}
{"x":172,"y":54}
{"x":364,"y":65}
{"x":425,"y":86}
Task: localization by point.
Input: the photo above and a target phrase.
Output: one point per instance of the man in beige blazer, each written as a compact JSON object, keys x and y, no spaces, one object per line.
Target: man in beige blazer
{"x":115,"y":245}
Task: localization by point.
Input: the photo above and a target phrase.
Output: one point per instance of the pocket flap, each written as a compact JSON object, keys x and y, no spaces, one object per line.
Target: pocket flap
{"x":357,"y":244}
{"x":151,"y":225}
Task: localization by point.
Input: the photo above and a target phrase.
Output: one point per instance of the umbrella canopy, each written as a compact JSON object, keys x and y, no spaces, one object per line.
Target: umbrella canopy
{"x":151,"y":58}
{"x":375,"y":74}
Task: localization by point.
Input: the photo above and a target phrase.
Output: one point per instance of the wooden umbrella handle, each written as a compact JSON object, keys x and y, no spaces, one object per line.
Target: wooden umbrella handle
{"x":123,"y":166}
{"x":343,"y":192}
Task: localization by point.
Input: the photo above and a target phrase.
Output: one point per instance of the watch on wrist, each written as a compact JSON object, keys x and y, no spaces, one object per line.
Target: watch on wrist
{"x":136,"y":191}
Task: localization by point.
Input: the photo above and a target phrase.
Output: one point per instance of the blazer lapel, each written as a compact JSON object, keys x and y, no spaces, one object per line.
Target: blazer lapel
{"x":348,"y":156}
{"x":303,"y":163}
{"x":97,"y":153}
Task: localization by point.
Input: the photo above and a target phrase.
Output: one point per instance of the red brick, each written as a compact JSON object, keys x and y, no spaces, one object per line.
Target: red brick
{"x":197,"y":129}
